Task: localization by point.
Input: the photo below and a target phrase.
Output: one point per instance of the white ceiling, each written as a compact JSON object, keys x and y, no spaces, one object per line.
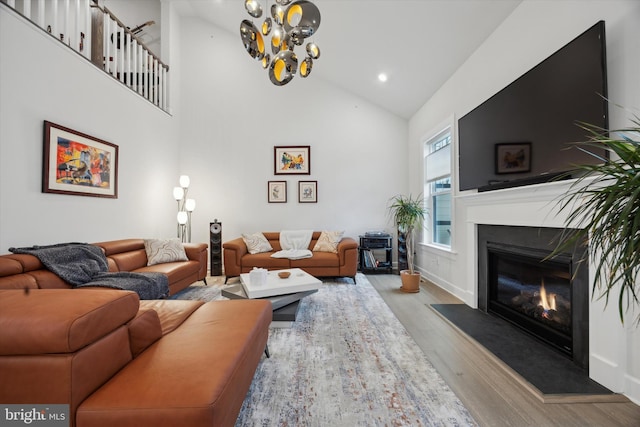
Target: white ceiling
{"x":417,"y":43}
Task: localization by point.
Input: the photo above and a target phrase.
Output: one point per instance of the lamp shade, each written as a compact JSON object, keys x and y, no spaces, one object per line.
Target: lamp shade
{"x":190,"y":205}
{"x":184,"y":181}
{"x":178,"y":193}
{"x":182,"y":217}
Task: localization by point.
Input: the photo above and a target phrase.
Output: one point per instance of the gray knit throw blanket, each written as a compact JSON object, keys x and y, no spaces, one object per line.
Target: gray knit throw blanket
{"x":83,"y":265}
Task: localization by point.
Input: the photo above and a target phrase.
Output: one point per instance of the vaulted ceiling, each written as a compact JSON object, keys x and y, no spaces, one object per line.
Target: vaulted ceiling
{"x":418,"y":44}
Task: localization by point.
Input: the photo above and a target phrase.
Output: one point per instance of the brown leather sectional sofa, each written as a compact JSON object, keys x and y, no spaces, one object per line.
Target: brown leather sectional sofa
{"x":26,"y":271}
{"x":118,"y":361}
{"x":238,"y":260}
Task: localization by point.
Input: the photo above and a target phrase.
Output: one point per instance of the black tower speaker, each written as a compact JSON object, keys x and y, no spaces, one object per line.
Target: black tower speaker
{"x":215,"y":247}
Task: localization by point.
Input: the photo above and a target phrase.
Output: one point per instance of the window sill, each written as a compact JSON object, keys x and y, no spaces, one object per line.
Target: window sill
{"x":443,"y":250}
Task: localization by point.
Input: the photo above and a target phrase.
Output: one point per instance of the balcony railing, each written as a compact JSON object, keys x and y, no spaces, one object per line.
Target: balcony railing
{"x":98,"y":35}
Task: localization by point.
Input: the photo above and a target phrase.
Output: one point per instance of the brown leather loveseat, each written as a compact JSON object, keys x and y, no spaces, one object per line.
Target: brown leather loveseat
{"x":343,"y":263}
{"x":19,"y":271}
{"x":118,"y":361}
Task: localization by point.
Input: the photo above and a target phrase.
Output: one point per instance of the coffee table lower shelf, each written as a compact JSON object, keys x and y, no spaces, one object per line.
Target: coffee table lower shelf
{"x":285,"y":307}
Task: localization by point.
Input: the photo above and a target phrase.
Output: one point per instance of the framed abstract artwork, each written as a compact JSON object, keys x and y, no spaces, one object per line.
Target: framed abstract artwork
{"x":292,"y":160}
{"x":513,"y":157}
{"x":307,"y":191}
{"x":277,"y":191}
{"x":78,"y":164}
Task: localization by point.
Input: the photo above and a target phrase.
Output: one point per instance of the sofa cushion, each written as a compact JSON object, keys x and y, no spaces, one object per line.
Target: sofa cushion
{"x":129,"y":261}
{"x":171,"y":313}
{"x":328,"y":241}
{"x":175,"y":271}
{"x":164,"y":250}
{"x":256,"y":243}
{"x":264,"y":260}
{"x":48,"y":321}
{"x":319,"y":259}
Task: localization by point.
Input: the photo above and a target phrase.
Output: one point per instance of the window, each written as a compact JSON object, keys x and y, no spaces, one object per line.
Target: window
{"x":437,"y":188}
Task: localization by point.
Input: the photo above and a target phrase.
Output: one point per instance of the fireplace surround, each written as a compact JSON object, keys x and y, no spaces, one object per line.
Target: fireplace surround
{"x":547,"y":298}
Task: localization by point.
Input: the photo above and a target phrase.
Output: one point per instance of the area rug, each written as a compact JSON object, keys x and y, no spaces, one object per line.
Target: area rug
{"x":199,"y":292}
{"x":348,"y":361}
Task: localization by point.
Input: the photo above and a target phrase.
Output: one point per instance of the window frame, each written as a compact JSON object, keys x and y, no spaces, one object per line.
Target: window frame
{"x":430,"y":146}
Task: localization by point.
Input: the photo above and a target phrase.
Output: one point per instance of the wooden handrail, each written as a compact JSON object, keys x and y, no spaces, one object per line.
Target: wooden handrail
{"x":128,"y":31}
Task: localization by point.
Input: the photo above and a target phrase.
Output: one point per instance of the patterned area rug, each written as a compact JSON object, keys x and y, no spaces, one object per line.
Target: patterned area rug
{"x":348,"y":361}
{"x":200,"y":291}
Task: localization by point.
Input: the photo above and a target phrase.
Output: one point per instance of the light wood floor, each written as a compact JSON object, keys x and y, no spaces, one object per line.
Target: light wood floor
{"x":492,"y":395}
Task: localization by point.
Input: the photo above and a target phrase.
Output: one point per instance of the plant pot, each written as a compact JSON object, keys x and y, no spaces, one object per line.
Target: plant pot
{"x":410,"y":282}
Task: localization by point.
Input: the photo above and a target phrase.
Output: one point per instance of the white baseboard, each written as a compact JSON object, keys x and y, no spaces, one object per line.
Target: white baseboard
{"x":463,"y":294}
{"x":632,"y":388}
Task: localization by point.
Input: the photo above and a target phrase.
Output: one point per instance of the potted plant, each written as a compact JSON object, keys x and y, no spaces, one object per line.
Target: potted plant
{"x":604,"y":205}
{"x":408,"y":215}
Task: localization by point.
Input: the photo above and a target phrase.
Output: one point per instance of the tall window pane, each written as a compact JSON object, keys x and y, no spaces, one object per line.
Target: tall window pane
{"x":437,"y":188}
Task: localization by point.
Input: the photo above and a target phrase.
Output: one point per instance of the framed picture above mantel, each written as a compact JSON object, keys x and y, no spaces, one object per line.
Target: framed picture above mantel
{"x":292,"y":160}
{"x":78,"y":164}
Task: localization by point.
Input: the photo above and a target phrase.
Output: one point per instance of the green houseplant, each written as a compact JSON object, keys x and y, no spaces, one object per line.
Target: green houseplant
{"x":604,"y":204}
{"x":408,"y":215}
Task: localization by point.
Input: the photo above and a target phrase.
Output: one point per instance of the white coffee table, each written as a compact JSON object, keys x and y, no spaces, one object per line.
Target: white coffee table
{"x":298,"y":281}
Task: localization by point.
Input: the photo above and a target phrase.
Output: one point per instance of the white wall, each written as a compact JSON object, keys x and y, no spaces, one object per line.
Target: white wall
{"x":40,"y":79}
{"x":232,"y":116}
{"x":536,"y":29}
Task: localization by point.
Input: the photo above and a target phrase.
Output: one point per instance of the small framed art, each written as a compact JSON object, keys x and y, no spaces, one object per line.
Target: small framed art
{"x":292,"y":160}
{"x":78,"y":164}
{"x":277,"y":191}
{"x":307,"y":191}
{"x":513,"y":157}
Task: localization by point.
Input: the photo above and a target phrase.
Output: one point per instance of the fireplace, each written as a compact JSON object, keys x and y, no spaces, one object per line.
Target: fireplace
{"x":545,"y":297}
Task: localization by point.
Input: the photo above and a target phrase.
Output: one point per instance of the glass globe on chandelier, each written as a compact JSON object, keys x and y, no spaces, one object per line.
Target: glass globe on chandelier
{"x":289,"y":25}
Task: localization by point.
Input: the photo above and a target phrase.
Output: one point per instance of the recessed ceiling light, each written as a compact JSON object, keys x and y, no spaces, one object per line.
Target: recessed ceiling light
{"x":382,"y":77}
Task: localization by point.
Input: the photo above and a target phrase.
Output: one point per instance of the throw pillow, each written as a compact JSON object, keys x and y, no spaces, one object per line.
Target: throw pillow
{"x":164,"y":250}
{"x":256,"y":243}
{"x":328,"y":241}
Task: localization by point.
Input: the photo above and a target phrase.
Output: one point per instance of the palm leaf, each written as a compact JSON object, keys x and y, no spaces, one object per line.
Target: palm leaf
{"x":604,"y":205}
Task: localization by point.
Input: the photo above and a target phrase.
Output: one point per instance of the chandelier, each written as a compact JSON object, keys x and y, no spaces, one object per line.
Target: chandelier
{"x":290,"y":23}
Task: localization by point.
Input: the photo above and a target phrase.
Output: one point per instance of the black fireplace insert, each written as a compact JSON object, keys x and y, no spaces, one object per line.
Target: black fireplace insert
{"x":546,"y":297}
{"x":532,"y":292}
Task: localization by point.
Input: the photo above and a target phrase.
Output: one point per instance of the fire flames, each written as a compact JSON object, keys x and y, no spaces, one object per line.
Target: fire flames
{"x":548,"y":302}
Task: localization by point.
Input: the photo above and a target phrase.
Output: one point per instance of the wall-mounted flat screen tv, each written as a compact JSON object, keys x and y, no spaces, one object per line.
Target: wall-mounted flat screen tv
{"x":526,"y":133}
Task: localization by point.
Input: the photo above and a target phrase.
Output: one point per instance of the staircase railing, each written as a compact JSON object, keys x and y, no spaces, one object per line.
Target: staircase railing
{"x":98,"y":35}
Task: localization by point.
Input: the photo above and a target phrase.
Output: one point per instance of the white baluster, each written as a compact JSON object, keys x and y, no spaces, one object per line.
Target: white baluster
{"x":155,"y":81}
{"x":146,"y":75}
{"x":26,"y":9}
{"x":129,"y":74}
{"x":78,"y":28}
{"x":11,"y":3}
{"x":87,"y":31}
{"x":41,"y":6}
{"x":106,"y":48}
{"x":134,"y":64}
{"x":54,"y":20}
{"x":121,"y":53}
{"x":67,"y":24}
{"x":165,"y":84}
{"x":160,"y":86}
{"x":140,"y":69}
{"x":114,"y":47}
